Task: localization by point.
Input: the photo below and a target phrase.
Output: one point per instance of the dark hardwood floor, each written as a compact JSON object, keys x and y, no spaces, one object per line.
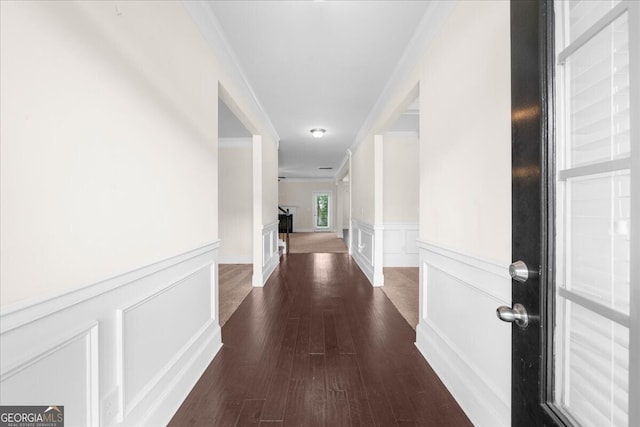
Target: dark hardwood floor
{"x":318,"y":346}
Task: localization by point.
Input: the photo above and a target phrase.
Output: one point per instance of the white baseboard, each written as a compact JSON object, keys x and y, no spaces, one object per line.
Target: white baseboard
{"x":176,"y":390}
{"x":471,"y":357}
{"x":479,"y":402}
{"x":270,"y":267}
{"x":129,"y":349}
{"x":366,"y":268}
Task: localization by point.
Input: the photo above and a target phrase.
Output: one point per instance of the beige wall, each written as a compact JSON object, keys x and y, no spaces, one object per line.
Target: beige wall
{"x":400,"y":178}
{"x":108,"y":149}
{"x":464,"y":134}
{"x":343,"y":188}
{"x":300,"y":195}
{"x":465,"y":124}
{"x":108,"y":141}
{"x":235,"y":200}
{"x":362,"y":184}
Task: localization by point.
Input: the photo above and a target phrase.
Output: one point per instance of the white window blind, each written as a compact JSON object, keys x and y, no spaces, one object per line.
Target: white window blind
{"x":593,"y":214}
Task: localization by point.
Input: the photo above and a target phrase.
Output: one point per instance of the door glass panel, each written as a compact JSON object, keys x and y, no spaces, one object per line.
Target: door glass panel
{"x":593,"y":212}
{"x":322,"y":210}
{"x":582,"y":14}
{"x":598,"y":239}
{"x":596,"y":373}
{"x":598,"y":97}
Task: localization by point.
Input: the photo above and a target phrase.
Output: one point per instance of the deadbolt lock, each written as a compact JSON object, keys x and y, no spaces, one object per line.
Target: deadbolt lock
{"x":519,"y":271}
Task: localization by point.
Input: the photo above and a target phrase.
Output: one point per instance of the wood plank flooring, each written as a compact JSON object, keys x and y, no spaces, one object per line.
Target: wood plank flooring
{"x":316,"y":242}
{"x":234,"y":284}
{"x":401,"y":285}
{"x":318,"y":346}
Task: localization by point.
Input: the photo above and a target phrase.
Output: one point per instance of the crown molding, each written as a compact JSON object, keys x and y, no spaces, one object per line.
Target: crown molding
{"x":436,"y":14}
{"x":210,"y":28}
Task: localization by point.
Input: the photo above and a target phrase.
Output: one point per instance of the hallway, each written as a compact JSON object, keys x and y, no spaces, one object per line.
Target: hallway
{"x":318,"y":346}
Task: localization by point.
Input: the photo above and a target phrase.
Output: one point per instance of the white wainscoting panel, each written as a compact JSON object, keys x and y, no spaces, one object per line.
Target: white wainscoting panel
{"x":125,"y":351}
{"x":157,"y":329}
{"x":363,"y":246}
{"x":458,"y":332}
{"x":366,"y":250}
{"x":65,"y":374}
{"x":270,"y":253}
{"x":400,"y":245}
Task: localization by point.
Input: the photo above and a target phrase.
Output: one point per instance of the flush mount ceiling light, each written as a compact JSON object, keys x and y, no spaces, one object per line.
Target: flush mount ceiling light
{"x":317,"y":132}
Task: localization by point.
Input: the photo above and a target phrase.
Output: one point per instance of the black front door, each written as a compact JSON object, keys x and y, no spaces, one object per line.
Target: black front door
{"x":575,"y":103}
{"x":531,"y":76}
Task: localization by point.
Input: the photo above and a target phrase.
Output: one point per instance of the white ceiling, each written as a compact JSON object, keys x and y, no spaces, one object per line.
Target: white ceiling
{"x":317,"y":64}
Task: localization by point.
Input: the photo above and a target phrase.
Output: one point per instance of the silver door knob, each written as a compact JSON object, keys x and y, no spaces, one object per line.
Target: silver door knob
{"x":516,"y":314}
{"x":519,"y":271}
